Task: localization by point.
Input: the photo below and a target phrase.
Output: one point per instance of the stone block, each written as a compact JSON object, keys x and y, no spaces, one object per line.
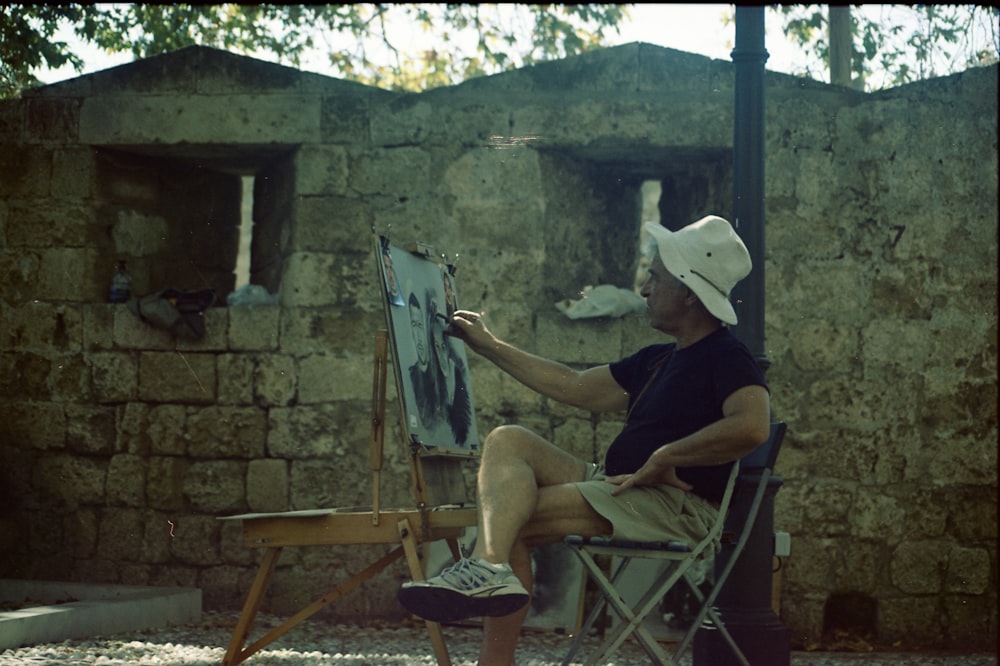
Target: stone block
{"x":52,"y":119}
{"x":325,"y":222}
{"x":43,"y":327}
{"x":583,"y":341}
{"x":917,"y":566}
{"x":393,"y":171}
{"x":200,"y":119}
{"x":166,"y":428}
{"x":914,"y":621}
{"x":312,"y":279}
{"x":25,"y":171}
{"x":254,"y":327}
{"x":495,"y":391}
{"x":165,"y":484}
{"x":220,"y":585}
{"x":321,"y":431}
{"x":339,"y":482}
{"x":320,"y":169}
{"x":121,"y":535}
{"x":326,"y":378}
{"x":275,"y":380}
{"x":216,"y":486}
{"x":98,"y":324}
{"x":131,"y":428}
{"x":320,"y":330}
{"x":267,"y":485}
{"x":878,"y":515}
{"x":90,"y":429}
{"x":34,"y":425}
{"x":177,"y":377}
{"x":196,"y":541}
{"x":130,"y":332}
{"x":826,"y":506}
{"x":70,"y":378}
{"x":74,"y":173}
{"x":232,"y":548}
{"x":971,"y":623}
{"x":968,"y":571}
{"x":156,"y":538}
{"x":52,"y":224}
{"x":71,"y":274}
{"x":236,"y":373}
{"x":215,"y":339}
{"x":136,"y":234}
{"x":822,"y":345}
{"x":81,"y":530}
{"x":127,"y":480}
{"x":114,"y":376}
{"x":226,"y":432}
{"x":71,"y":479}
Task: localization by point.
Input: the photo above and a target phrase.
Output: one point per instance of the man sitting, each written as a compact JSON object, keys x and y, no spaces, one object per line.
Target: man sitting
{"x":694,"y":406}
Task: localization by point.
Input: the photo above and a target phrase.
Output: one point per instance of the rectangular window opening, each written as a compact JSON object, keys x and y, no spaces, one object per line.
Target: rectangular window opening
{"x":242,"y":269}
{"x":650,"y":191}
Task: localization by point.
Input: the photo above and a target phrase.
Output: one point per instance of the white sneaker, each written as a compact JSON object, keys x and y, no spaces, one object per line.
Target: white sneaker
{"x":469,"y":588}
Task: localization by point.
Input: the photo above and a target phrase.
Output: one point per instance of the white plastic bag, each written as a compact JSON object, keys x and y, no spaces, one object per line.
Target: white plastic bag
{"x":251,"y":294}
{"x":604,"y":300}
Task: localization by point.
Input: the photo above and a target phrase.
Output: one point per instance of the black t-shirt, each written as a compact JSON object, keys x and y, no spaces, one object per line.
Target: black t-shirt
{"x":685,"y":395}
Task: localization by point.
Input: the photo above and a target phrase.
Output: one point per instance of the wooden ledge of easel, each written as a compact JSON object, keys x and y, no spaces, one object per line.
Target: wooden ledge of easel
{"x":331,"y":527}
{"x":443,"y":452}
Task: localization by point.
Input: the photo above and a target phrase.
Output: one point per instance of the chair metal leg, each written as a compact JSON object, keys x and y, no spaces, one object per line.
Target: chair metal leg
{"x":598,"y":608}
{"x":631,"y":622}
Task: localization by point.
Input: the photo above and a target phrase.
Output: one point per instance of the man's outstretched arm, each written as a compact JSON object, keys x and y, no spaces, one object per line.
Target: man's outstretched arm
{"x":594,"y":389}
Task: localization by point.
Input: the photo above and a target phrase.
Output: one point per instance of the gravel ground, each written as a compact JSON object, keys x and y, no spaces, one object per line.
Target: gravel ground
{"x":314,"y":643}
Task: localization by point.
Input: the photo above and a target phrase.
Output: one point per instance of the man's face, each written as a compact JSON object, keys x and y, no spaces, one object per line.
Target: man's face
{"x":665,"y":297}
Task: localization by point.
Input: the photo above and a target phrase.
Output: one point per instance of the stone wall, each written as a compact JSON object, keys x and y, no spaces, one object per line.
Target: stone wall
{"x":120,"y":446}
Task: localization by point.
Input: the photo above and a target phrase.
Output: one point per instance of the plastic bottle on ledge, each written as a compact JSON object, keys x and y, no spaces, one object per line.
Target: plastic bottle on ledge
{"x":121,"y":285}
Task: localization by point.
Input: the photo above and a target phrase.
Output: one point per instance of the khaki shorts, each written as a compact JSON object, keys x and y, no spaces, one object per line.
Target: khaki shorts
{"x":649,"y":513}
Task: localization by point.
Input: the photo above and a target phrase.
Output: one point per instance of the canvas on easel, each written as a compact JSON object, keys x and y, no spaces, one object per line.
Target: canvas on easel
{"x":432,"y":370}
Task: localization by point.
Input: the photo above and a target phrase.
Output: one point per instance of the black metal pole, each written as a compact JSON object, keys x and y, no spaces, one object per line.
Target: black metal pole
{"x":749,"y":57}
{"x":744,"y":604}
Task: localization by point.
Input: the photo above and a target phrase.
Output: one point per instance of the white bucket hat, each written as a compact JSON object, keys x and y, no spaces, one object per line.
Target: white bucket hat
{"x":708,"y":257}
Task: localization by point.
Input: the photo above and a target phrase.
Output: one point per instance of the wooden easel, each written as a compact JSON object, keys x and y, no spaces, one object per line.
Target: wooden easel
{"x":407,"y":528}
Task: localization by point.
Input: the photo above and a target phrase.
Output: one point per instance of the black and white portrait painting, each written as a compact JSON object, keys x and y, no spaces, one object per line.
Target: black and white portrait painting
{"x":432,"y":368}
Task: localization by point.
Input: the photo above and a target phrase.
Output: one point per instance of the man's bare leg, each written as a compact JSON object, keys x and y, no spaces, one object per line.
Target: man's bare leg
{"x":500,"y":634}
{"x":525,"y":499}
{"x":515,"y":463}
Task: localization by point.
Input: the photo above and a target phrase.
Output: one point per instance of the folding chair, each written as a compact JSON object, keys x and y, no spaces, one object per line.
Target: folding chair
{"x":756,"y":467}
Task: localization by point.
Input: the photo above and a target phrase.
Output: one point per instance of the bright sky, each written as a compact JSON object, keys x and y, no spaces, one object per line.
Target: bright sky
{"x":685,"y":27}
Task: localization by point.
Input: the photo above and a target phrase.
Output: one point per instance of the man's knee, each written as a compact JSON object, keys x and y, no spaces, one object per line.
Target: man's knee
{"x":508,"y":440}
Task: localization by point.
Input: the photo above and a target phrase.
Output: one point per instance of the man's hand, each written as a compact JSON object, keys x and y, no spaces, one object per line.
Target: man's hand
{"x":469,"y":327}
{"x":648,"y":475}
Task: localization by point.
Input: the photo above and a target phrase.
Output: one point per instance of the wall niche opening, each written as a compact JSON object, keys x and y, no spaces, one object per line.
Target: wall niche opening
{"x":192,"y":218}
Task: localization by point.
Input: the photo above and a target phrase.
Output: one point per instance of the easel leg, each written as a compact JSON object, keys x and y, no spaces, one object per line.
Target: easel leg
{"x":417,"y":573}
{"x":251,"y":607}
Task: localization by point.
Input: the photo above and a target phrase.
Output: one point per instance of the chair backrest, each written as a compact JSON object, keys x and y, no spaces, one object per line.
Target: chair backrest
{"x":763,"y":457}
